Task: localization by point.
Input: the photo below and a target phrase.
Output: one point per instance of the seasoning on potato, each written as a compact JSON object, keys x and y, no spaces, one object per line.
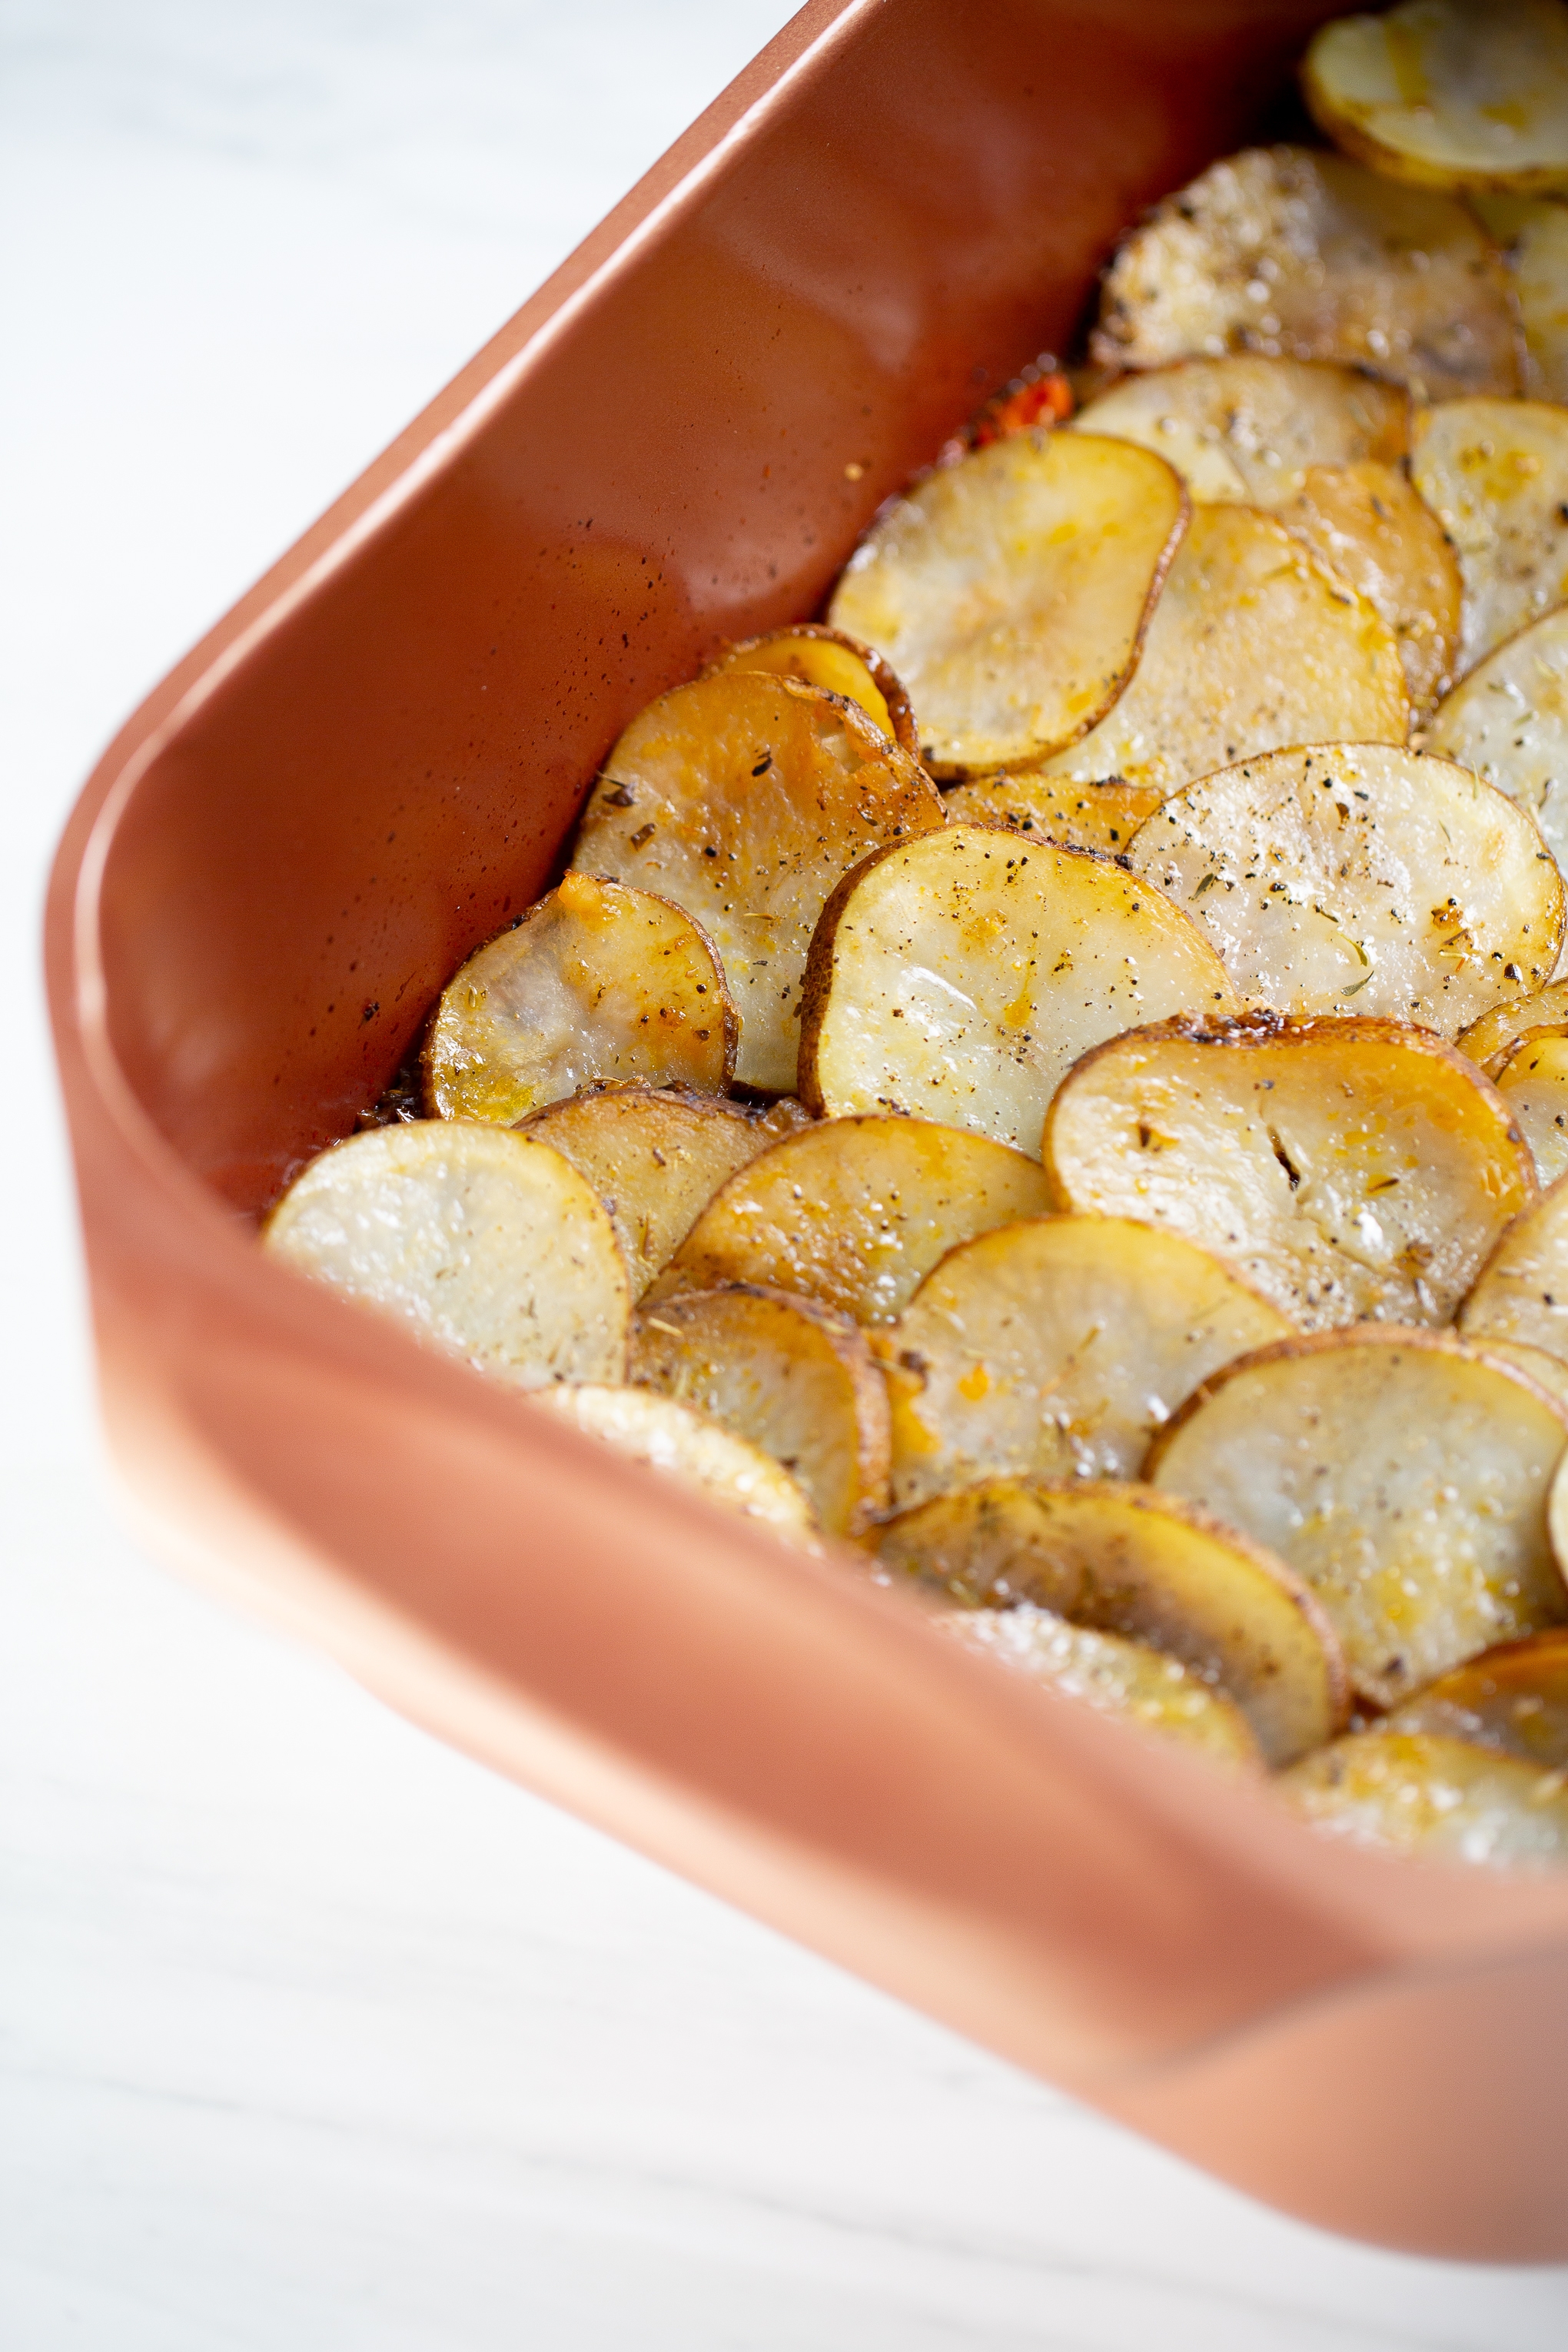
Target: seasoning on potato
{"x":1443,"y":1799}
{"x":1495,"y":474}
{"x":667,"y":1436}
{"x":818,"y":655}
{"x":1099,"y":815}
{"x":1508,"y":722}
{"x":1534,"y":1082}
{"x":1492,"y":1039}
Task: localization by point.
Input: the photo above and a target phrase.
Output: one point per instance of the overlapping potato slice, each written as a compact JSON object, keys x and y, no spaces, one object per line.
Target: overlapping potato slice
{"x":1248,"y":429}
{"x":1402,"y":1475}
{"x":855,"y":1213}
{"x":1495,"y":474}
{"x":1292,"y":254}
{"x":1442,"y":1799}
{"x":1011,"y":591}
{"x":596,"y":982}
{"x":1055,"y":1348}
{"x":664,"y":1434}
{"x":743,"y":798}
{"x":1366,"y":523}
{"x":1348,"y":1169}
{"x":790,"y":1375}
{"x":1508,"y":721}
{"x":1127,"y":1679}
{"x":1521,"y":1292}
{"x":817,"y":655}
{"x":1447,"y":93}
{"x":1358,"y":876}
{"x":1548,"y":1372}
{"x":1534,"y":1082}
{"x":1252,"y":645}
{"x":656,"y":1159}
{"x":1493,"y":1038}
{"x":484,"y":1243}
{"x":1122,"y":1559}
{"x":960,"y":976}
{"x":1513,"y":1699}
{"x":1102,"y":816}
{"x":1533,"y":234}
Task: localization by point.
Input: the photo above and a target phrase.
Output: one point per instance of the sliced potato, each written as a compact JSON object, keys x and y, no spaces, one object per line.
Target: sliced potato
{"x":1248,"y":429}
{"x":484,"y":1243}
{"x":654,"y":1159}
{"x":1055,"y":1348}
{"x":855,"y":1213}
{"x":790,"y":1375}
{"x":960,"y":976}
{"x":1118,"y":1678}
{"x":1079,"y":817}
{"x":1495,"y":474}
{"x":1508,"y":721}
{"x":1347,"y":1169}
{"x":1513,"y":1699}
{"x":667,"y":1436}
{"x":1534,"y":233}
{"x":1443,"y":1799}
{"x":1011,"y":591}
{"x":1402,"y":1475}
{"x":818,"y":655}
{"x":1123,"y":1560}
{"x":1447,"y":93}
{"x":1296,"y":255}
{"x":1252,"y":645}
{"x":1521,"y":1292}
{"x":1548,"y":1372}
{"x":1492,"y":1039}
{"x":1366,"y":523}
{"x":1534,"y":1082}
{"x":743,"y":798}
{"x":596,"y":982}
{"x":1360,"y":877}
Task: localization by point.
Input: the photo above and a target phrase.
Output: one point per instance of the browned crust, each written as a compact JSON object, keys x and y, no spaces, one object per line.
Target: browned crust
{"x":884,"y":677}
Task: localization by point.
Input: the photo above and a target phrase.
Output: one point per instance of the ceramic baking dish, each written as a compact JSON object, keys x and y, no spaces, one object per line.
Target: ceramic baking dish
{"x":372,"y":761}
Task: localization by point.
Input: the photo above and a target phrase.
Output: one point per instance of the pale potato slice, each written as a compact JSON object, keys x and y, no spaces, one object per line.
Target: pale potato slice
{"x":743,"y":798}
{"x":654,"y":1159}
{"x":1124,"y":1560}
{"x":855,"y":1213}
{"x":1495,"y":474}
{"x":818,"y":655}
{"x":1127,"y":1679}
{"x":1297,"y":255}
{"x":1402,"y":1475}
{"x":667,"y":1436}
{"x":1447,"y":93}
{"x":1521,"y":1292}
{"x":1493,"y":1038}
{"x":1534,"y":1082}
{"x":1011,"y":591}
{"x":1348,"y":1169}
{"x":1248,"y":429}
{"x":790,"y":1375}
{"x":482,"y":1242}
{"x":1548,"y":1372}
{"x":1366,"y":523}
{"x":1055,"y":1348}
{"x":595,"y":981}
{"x":1441,"y":1800}
{"x":960,"y":976}
{"x":1513,"y":1699}
{"x":1508,"y":721}
{"x":1102,"y":816}
{"x":1252,"y":645}
{"x":1357,"y":876}
{"x":1533,"y":234}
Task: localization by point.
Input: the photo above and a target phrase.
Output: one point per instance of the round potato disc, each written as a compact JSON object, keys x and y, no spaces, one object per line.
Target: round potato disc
{"x":667,"y":1436}
{"x":1495,"y":474}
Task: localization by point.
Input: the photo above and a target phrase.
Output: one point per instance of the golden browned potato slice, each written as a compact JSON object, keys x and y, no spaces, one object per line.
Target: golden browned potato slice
{"x":1296,"y":255}
{"x":1495,"y":474}
{"x":960,"y":976}
{"x":818,"y":655}
{"x":654,"y":1159}
{"x":1252,"y":645}
{"x":1508,"y":721}
{"x":1366,"y":523}
{"x":1443,"y":1799}
{"x":1357,"y":876}
{"x":596,"y":982}
{"x":1534,"y":1082}
{"x":1533,"y":234}
{"x":1079,"y":817}
{"x":1248,"y":429}
{"x":1347,"y":1169}
{"x":743,"y":798}
{"x":1011,"y":591}
{"x":1492,"y":1039}
{"x":1124,"y":1560}
{"x":790,"y":1375}
{"x":482,"y":1242}
{"x":1447,"y":93}
{"x":1402,"y":1475}
{"x":667,"y":1436}
{"x":1521,"y":1292}
{"x":855,"y":1213}
{"x":1513,"y":1699}
{"x":1127,"y":1679}
{"x":1055,"y":1349}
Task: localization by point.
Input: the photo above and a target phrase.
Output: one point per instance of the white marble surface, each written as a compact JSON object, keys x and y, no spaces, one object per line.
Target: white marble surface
{"x":311,"y":2034}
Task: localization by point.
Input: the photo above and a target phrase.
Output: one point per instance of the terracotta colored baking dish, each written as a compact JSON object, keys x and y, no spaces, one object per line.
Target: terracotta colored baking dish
{"x":353,"y":780}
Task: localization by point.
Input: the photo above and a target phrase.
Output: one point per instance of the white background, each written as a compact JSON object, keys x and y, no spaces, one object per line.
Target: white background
{"x":314,"y":2038}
